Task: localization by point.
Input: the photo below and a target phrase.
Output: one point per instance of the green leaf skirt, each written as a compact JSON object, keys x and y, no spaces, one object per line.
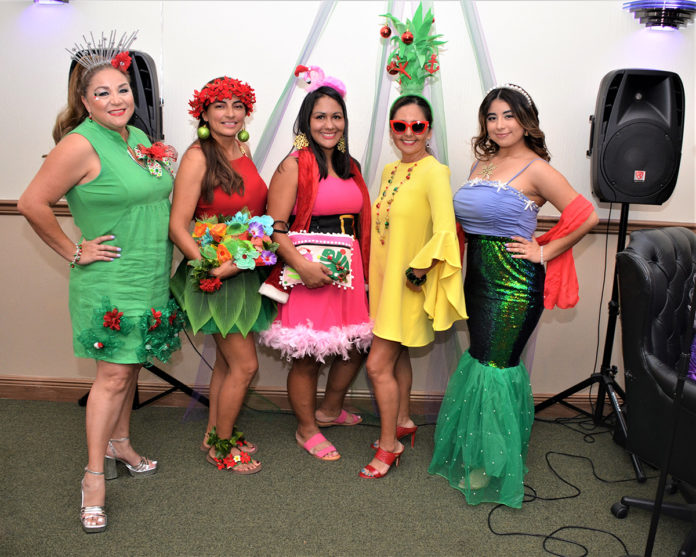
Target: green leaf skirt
{"x":236,"y":307}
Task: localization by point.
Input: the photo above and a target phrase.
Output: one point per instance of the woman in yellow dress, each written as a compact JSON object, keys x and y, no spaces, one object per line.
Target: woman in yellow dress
{"x":415,"y":272}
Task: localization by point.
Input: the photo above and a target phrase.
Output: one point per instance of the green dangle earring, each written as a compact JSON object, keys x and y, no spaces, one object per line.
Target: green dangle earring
{"x":203,"y":132}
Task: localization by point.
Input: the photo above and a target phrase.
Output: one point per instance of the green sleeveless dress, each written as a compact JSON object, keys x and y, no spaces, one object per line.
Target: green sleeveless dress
{"x":120,"y":309}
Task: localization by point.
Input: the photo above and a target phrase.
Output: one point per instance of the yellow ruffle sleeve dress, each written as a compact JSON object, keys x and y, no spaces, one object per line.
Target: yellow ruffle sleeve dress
{"x":414,"y":227}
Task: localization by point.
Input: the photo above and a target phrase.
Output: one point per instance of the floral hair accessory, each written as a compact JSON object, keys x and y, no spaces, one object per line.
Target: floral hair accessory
{"x":105,"y":51}
{"x":515,"y":88}
{"x":316,"y":78}
{"x":414,"y":58}
{"x":121,"y":61}
{"x":243,"y":239}
{"x":155,"y":157}
{"x":220,"y":89}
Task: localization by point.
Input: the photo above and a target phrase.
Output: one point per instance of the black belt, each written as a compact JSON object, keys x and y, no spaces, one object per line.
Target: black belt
{"x":334,"y":224}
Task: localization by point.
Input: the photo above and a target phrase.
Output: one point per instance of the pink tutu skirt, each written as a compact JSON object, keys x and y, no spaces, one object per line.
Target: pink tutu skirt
{"x":323,"y":322}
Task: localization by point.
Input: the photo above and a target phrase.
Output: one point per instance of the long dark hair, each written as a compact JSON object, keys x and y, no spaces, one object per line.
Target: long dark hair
{"x":218,"y":171}
{"x":339,"y":161}
{"x":75,"y":112}
{"x":525,"y":112}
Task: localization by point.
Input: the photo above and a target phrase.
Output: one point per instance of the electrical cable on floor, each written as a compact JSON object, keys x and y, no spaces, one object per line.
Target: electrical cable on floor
{"x":585,"y":426}
{"x":531,"y":496}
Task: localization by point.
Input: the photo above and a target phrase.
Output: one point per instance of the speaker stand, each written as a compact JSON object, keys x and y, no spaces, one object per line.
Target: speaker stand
{"x":176,"y":385}
{"x":606,"y":376}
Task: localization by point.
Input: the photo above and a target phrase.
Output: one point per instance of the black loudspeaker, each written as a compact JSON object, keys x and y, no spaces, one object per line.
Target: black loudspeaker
{"x":148,"y":105}
{"x":636,"y":137}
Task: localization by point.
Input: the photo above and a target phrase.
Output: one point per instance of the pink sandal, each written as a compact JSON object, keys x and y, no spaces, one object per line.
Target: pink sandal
{"x":311,"y":447}
{"x":342,"y":419}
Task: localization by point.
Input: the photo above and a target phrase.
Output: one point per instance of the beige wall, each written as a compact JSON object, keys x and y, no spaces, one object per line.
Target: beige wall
{"x":36,"y":339}
{"x":558,"y":50}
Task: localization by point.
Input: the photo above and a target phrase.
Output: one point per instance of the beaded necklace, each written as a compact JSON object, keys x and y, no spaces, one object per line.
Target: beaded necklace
{"x":382,"y":232}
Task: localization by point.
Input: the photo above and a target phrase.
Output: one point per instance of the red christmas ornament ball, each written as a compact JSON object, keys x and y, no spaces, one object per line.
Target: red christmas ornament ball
{"x":407,"y":37}
{"x":392,"y":69}
{"x":385,"y":31}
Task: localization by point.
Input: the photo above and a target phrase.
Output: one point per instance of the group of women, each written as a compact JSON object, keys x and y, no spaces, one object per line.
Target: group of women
{"x":404,"y":246}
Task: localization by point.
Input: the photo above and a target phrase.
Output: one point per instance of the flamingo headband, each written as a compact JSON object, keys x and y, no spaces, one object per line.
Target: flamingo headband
{"x":315,"y":78}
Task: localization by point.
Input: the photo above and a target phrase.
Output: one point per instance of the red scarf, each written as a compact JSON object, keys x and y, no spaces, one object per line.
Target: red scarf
{"x":561,"y":287}
{"x":307,"y":188}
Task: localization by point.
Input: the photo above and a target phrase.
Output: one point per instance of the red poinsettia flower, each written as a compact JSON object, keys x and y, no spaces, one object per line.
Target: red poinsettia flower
{"x":210,"y":285}
{"x":172,"y":317}
{"x":112,"y":319}
{"x":158,"y":151}
{"x":157,"y":315}
{"x":121,"y":61}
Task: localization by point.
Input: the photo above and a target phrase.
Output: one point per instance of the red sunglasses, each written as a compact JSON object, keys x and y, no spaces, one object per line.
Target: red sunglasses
{"x":417,"y":127}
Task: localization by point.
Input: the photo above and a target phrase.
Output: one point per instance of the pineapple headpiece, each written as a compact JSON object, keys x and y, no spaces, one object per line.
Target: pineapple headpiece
{"x":414,"y":55}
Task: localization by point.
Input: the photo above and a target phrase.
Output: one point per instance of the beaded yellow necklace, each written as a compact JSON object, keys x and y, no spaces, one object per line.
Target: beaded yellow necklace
{"x":382,"y":231}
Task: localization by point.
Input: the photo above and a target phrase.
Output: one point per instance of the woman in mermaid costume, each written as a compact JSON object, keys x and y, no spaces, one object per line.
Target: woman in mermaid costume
{"x":486,"y":417}
{"x":217,"y":178}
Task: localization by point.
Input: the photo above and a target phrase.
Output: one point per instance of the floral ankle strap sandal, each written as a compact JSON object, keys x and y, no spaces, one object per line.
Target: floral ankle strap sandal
{"x":229,"y":456}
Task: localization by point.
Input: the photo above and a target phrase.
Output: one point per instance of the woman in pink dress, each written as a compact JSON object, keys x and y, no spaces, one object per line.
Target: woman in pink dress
{"x":319,"y":188}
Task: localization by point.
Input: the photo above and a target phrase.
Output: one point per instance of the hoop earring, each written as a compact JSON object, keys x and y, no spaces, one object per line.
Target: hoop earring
{"x":203,"y":132}
{"x":341,"y":145}
{"x":300,"y":141}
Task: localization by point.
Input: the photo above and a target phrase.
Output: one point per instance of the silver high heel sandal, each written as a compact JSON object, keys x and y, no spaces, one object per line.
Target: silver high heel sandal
{"x":145,"y":467}
{"x":91,"y":512}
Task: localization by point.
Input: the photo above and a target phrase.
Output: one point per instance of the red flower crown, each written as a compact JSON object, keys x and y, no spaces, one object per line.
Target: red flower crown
{"x":221,"y":89}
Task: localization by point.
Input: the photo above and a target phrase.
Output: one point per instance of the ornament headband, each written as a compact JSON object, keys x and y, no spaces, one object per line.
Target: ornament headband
{"x":414,"y":55}
{"x":95,"y":53}
{"x":218,"y":90}
{"x":316,"y":78}
{"x":515,"y":88}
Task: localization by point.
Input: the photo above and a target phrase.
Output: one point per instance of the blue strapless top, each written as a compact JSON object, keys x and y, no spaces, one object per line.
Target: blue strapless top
{"x":489,"y":208}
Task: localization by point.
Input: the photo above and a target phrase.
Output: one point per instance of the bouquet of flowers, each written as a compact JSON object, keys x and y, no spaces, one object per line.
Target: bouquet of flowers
{"x":242,"y":239}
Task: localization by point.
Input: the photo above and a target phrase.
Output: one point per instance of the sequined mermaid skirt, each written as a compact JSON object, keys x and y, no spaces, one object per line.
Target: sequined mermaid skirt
{"x":486,"y":417}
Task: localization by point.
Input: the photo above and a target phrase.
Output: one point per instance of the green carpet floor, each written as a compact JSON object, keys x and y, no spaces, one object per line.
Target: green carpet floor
{"x":297,"y":505}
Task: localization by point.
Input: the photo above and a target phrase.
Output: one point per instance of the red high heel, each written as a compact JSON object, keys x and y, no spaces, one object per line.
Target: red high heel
{"x":370,"y":472}
{"x":401,"y":432}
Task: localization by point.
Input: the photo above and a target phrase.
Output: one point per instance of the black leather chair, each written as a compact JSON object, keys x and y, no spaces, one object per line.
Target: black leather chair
{"x":656,"y":277}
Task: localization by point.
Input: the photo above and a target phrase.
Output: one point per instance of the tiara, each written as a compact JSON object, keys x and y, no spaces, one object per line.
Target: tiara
{"x":220,"y":89}
{"x":106,"y":50}
{"x":515,"y":88}
{"x":315,"y":78}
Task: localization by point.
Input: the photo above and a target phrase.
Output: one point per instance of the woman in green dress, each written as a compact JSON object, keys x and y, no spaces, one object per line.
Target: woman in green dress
{"x":117,"y":186}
